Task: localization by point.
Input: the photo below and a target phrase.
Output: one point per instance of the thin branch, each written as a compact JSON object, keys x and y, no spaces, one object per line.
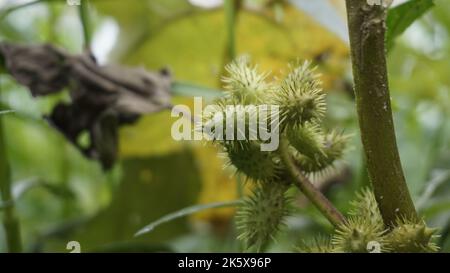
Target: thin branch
{"x":308,"y":189}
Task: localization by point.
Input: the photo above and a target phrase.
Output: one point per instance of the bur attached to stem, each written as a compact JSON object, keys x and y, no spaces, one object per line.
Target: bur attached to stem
{"x":364,"y":231}
{"x":305,"y":148}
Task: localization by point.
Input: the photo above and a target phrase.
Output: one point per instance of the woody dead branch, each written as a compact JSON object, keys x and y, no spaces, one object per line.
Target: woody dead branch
{"x":102,"y":97}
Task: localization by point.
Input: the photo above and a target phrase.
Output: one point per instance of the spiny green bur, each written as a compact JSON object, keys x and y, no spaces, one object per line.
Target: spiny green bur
{"x":301,"y":103}
{"x":300,"y":97}
{"x":262,"y":214}
{"x":319,"y":244}
{"x":248,"y":159}
{"x":410,"y":237}
{"x":365,"y":225}
{"x":355,"y":235}
{"x":302,"y":106}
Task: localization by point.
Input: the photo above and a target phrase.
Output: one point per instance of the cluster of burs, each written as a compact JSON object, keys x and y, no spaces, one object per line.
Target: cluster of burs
{"x":301,"y":108}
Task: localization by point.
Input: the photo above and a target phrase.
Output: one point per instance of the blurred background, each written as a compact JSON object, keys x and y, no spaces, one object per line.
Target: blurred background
{"x":61,"y":196}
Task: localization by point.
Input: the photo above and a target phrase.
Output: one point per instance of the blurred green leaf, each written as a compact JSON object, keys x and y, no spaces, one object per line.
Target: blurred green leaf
{"x":402,"y":16}
{"x":435,"y":208}
{"x":22,"y":187}
{"x":149,"y":189}
{"x":184,"y":212}
{"x":203,"y":35}
{"x":141,"y":19}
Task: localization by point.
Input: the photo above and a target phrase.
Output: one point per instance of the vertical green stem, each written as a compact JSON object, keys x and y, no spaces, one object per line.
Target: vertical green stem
{"x":367,"y":40}
{"x":83,"y":10}
{"x":52,"y":22}
{"x":231,"y":7}
{"x":10,"y":222}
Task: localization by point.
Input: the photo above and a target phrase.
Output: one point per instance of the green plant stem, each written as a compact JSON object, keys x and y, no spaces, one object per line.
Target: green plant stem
{"x":231,"y":8}
{"x":83,"y":10}
{"x":367,"y":40}
{"x":10,"y":222}
{"x":308,"y":189}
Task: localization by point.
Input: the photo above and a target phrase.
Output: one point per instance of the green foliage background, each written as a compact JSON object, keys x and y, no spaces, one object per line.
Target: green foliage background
{"x":68,"y":197}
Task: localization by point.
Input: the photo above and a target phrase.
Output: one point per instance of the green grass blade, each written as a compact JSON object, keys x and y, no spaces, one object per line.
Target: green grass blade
{"x":184,"y":212}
